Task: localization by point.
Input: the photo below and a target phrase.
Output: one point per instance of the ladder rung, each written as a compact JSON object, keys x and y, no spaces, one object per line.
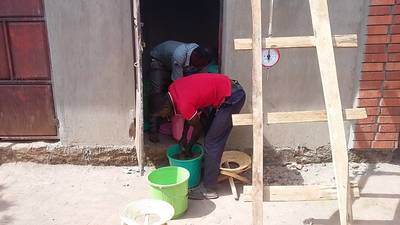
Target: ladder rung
{"x":339,"y":41}
{"x":298,"y":117}
{"x":298,"y":193}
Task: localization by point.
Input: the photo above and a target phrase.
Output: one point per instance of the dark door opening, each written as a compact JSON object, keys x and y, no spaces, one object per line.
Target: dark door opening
{"x":180,"y":20}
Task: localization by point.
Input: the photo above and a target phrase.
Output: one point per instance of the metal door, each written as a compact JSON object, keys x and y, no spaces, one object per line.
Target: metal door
{"x":26,"y":99}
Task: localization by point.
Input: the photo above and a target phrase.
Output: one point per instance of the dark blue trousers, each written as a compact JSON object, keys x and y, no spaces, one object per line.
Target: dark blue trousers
{"x":218,"y":134}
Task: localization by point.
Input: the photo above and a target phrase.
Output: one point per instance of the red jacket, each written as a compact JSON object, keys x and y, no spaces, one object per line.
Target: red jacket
{"x":191,"y":93}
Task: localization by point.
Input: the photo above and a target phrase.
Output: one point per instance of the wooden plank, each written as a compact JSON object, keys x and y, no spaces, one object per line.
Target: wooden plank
{"x":232,"y":184}
{"x":139,"y":85}
{"x":236,"y":176}
{"x":258,"y":127}
{"x":242,"y":119}
{"x":298,"y":193}
{"x":350,"y":196}
{"x":312,"y":116}
{"x":345,"y":41}
{"x":298,"y":117}
{"x":233,"y":188}
{"x":326,"y":60}
{"x":355,"y":114}
{"x":339,"y":41}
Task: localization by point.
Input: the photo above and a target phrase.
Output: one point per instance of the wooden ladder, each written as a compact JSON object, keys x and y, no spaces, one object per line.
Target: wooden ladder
{"x":334,"y":114}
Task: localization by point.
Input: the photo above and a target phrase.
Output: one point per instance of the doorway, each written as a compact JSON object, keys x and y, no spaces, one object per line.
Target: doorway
{"x":179,"y":20}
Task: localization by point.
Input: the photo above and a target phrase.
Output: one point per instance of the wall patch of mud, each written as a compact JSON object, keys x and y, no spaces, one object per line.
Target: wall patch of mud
{"x":55,"y":153}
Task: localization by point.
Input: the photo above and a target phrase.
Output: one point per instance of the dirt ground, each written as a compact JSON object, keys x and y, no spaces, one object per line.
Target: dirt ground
{"x":36,"y":194}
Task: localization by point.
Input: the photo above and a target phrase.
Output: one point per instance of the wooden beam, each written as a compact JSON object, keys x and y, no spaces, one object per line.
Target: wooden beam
{"x":258,"y":127}
{"x":232,"y":184}
{"x":242,"y":119}
{"x":236,"y":176}
{"x":233,"y":188}
{"x":327,"y":66}
{"x":298,"y":117}
{"x":339,"y":41}
{"x":298,"y":193}
{"x":139,"y":85}
{"x":312,"y":116}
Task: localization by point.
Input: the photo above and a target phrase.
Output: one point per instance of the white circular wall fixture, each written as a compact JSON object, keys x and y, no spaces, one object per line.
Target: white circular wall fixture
{"x":270,"y":57}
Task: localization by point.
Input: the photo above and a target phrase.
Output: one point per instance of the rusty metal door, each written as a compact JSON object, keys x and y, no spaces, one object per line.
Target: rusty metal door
{"x":26,"y":99}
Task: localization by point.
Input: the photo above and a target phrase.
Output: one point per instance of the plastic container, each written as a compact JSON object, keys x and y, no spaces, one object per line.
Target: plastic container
{"x":147,"y":212}
{"x":170,"y":184}
{"x":178,"y":123}
{"x":192,"y":165}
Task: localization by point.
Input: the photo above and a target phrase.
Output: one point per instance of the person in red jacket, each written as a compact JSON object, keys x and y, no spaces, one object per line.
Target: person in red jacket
{"x":188,"y":96}
{"x":170,"y":61}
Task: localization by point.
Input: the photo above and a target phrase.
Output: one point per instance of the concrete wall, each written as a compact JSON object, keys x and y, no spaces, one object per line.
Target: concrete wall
{"x":294,"y":83}
{"x":93,"y":77}
{"x":91,"y":52}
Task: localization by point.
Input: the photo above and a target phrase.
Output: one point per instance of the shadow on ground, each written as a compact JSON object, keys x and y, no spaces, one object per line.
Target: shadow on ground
{"x":334,"y":219}
{"x":4,"y":206}
{"x":199,"y":209}
{"x":396,"y":157}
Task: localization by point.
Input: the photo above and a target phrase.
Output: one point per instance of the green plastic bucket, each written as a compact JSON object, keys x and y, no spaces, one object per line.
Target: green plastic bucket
{"x":170,"y":184}
{"x":192,"y":165}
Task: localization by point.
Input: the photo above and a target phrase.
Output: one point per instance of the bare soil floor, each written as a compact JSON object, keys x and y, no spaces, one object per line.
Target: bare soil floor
{"x":35,"y":194}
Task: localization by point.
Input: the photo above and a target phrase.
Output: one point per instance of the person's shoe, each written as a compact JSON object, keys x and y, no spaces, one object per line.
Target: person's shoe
{"x":211,"y":193}
{"x":196,"y":194}
{"x":203,"y":193}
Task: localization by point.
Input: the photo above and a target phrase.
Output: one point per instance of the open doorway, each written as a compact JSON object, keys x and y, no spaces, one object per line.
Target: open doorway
{"x":179,"y":20}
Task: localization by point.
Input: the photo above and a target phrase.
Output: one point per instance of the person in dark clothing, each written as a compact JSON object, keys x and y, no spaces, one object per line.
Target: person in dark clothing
{"x":170,"y":61}
{"x":187,"y":96}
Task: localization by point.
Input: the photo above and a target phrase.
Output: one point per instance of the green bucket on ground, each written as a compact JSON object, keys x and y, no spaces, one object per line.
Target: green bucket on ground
{"x":170,"y":184}
{"x":192,"y":165}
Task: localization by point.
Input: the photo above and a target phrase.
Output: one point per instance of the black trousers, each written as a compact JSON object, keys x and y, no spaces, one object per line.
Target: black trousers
{"x":218,"y":133}
{"x":160,"y":79}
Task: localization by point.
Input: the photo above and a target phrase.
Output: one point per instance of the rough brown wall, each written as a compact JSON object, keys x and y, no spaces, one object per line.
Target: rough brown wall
{"x":50,"y":153}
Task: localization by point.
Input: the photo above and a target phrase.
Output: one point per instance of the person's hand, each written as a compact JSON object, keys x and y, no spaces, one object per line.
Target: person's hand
{"x":183,"y":141}
{"x":182,"y":145}
{"x":186,"y":150}
{"x":182,"y":153}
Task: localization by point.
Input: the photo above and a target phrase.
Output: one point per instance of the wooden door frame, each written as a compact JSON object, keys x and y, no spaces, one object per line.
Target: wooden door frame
{"x":138,"y":76}
{"x":138,"y":73}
